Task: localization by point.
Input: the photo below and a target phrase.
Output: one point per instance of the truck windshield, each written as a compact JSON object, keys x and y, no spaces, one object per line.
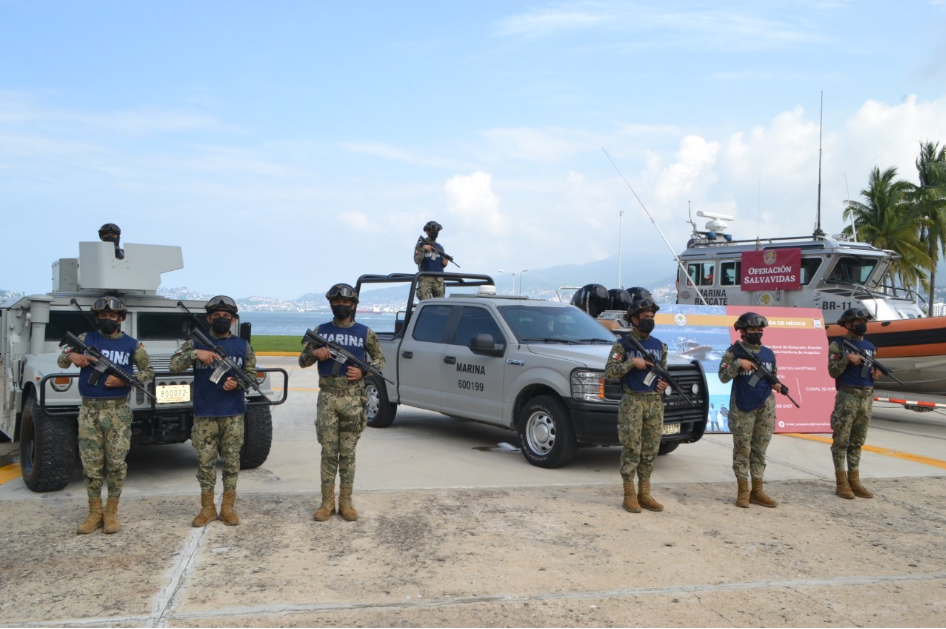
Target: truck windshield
{"x":164,"y":326}
{"x":541,"y":324}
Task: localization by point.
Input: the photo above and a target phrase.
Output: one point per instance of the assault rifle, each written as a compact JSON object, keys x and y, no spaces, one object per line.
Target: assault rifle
{"x":103,"y":365}
{"x":869,"y":363}
{"x":341,"y":355}
{"x":658,"y":369}
{"x":741,"y":352}
{"x":225,"y":364}
{"x":423,"y":240}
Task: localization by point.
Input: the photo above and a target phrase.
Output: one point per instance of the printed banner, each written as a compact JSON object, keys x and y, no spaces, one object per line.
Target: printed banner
{"x":796,"y":335}
{"x":771,"y":269}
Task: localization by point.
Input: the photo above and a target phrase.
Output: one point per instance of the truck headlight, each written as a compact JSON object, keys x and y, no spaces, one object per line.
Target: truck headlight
{"x":61,"y":384}
{"x":588,"y":385}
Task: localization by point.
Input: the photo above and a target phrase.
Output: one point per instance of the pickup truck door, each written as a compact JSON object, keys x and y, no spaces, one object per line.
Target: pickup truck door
{"x":472,"y":383}
{"x":420,"y":357}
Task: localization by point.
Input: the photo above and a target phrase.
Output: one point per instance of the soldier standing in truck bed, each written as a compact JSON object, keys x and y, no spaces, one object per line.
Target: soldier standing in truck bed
{"x":110,"y":232}
{"x":428,"y":257}
{"x":105,"y":417}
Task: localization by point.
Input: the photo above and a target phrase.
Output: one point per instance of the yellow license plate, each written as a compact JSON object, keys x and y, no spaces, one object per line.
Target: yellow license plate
{"x":671,"y":429}
{"x":172,"y":393}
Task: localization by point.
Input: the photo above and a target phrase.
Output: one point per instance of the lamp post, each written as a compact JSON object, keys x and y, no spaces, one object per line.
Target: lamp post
{"x":521,"y":273}
{"x":513,"y":279}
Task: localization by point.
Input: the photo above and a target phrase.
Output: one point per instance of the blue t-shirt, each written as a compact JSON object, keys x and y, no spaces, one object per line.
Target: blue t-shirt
{"x":351,"y":338}
{"x":119,"y":351}
{"x":210,"y":400}
{"x":634,"y":379}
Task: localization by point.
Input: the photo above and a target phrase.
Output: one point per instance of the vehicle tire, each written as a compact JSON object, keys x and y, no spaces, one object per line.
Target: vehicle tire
{"x":48,"y":448}
{"x":666,"y":447}
{"x":545,"y":432}
{"x":257,"y":436}
{"x":380,"y":411}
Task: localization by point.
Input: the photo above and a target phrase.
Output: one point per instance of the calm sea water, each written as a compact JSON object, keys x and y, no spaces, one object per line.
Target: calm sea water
{"x":296,"y":323}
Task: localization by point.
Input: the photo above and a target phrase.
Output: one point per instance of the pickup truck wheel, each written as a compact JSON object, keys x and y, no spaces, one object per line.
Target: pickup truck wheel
{"x":380,"y":411}
{"x":546,"y":434}
{"x":257,"y":436}
{"x":47,"y":448}
{"x":667,"y":447}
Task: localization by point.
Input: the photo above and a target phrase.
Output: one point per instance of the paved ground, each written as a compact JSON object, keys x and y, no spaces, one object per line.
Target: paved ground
{"x":458,"y":530}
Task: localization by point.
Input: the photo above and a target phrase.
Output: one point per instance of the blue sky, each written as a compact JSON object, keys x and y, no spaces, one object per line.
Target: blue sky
{"x":290,"y":145}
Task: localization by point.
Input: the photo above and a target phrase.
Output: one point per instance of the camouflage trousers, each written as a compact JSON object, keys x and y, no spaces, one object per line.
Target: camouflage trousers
{"x":104,"y":441}
{"x":751,"y":434}
{"x":340,"y":421}
{"x":849,"y":423}
{"x":640,"y":426}
{"x":217,"y":435}
{"x":428,"y":287}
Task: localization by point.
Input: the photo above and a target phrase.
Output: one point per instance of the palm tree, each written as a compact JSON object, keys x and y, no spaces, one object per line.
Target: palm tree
{"x":929,"y":199}
{"x":888,"y":220}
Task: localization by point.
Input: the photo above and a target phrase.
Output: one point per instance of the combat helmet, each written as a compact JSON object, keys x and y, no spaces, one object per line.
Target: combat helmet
{"x":110,"y":227}
{"x":640,"y":305}
{"x":852,"y":314}
{"x":619,"y":299}
{"x":592,"y":298}
{"x":750,"y":320}
{"x":345,"y":291}
{"x":221,"y":303}
{"x":639,"y":292}
{"x":109,"y":304}
{"x":433,"y":227}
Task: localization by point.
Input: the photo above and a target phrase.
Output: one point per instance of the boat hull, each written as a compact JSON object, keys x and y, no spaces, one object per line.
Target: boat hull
{"x":914,"y":349}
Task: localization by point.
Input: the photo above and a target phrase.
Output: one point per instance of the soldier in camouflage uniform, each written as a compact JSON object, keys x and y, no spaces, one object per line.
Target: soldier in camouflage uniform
{"x":853,"y":403}
{"x":752,"y":412}
{"x":218,"y":408}
{"x":341,"y":412}
{"x":641,"y":411}
{"x":428,"y":258}
{"x":105,"y":417}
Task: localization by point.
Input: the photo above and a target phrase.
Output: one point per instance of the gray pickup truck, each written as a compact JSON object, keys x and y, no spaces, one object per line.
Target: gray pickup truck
{"x":533,"y":366}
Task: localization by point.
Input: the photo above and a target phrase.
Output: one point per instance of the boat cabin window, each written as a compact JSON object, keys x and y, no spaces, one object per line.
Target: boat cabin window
{"x":809,"y":266}
{"x":852,"y":270}
{"x":701,"y":273}
{"x":730,"y":273}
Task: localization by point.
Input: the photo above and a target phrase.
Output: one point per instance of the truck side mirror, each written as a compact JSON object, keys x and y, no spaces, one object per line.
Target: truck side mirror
{"x":246,"y":331}
{"x":484,"y":344}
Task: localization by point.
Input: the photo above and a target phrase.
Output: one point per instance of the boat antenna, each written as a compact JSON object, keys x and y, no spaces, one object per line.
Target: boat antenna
{"x":646,"y":211}
{"x":818,"y":231}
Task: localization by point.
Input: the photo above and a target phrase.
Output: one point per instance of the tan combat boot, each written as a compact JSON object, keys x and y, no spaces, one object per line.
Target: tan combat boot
{"x":757,"y":495}
{"x":345,"y":507}
{"x":111,"y":517}
{"x":645,"y":499}
{"x":327,"y":508}
{"x":854,"y":480}
{"x":94,"y":519}
{"x":630,"y":498}
{"x":742,"y":493}
{"x":843,"y":488}
{"x":208,"y":511}
{"x":227,"y":514}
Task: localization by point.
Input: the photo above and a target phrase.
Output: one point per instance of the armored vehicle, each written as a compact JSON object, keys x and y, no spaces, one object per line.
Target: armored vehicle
{"x":40,"y":402}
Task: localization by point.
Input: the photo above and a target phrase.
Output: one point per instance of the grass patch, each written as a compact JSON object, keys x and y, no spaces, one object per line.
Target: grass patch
{"x":272,"y":343}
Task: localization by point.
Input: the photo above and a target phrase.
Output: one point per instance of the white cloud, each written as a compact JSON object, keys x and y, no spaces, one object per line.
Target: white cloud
{"x":539,"y":22}
{"x":471,"y":200}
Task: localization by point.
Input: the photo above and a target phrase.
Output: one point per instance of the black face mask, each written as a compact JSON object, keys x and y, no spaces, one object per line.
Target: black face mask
{"x":859,"y":328}
{"x":111,"y":239}
{"x":108,"y":326}
{"x":755,"y":338}
{"x":646,"y":326}
{"x":220,"y":325}
{"x":341,"y":311}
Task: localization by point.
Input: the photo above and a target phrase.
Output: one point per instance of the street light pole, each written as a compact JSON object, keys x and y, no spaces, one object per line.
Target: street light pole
{"x":513,"y":279}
